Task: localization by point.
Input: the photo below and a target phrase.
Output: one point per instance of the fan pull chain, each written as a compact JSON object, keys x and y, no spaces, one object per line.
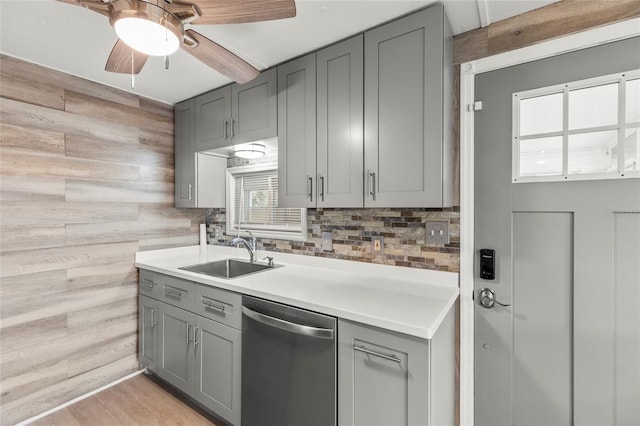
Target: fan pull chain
{"x":133,"y":82}
{"x":166,"y":40}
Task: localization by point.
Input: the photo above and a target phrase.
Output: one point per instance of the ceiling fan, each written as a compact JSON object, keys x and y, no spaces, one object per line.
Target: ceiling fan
{"x":156,"y":28}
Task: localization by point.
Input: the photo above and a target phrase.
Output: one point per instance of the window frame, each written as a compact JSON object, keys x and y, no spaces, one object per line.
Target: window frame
{"x":621,"y":127}
{"x":275,"y":233}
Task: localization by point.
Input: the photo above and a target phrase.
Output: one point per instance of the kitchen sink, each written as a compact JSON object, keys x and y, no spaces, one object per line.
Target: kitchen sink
{"x":229,"y":268}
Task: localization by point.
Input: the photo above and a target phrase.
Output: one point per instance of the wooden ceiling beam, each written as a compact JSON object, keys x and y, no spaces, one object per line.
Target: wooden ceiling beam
{"x":555,"y":20}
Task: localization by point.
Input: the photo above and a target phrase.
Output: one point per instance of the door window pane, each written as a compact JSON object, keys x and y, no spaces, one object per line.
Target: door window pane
{"x":541,"y":157}
{"x":633,"y":101}
{"x":593,"y":106}
{"x":542,"y":114}
{"x":593,"y":152}
{"x":632,"y":149}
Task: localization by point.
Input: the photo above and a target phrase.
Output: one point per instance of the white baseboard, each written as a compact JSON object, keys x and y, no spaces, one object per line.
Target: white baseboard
{"x":80,"y":398}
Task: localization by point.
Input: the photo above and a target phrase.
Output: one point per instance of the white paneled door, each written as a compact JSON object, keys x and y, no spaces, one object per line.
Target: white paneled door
{"x":562,"y":346}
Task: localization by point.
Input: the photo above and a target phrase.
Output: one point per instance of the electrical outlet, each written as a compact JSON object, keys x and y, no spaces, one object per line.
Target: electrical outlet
{"x":218,"y":232}
{"x":437,"y":232}
{"x":327,"y":241}
{"x":377,"y":245}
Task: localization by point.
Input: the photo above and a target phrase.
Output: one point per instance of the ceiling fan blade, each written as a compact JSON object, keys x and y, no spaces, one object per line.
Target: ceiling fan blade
{"x":220,"y":59}
{"x":120,"y":59}
{"x":95,"y":5}
{"x":237,"y":11}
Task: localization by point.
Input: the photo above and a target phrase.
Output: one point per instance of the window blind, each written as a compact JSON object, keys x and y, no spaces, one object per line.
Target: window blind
{"x":255,"y":203}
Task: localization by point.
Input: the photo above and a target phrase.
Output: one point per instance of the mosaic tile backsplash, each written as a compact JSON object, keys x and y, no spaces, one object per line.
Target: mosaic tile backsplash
{"x":403,"y":231}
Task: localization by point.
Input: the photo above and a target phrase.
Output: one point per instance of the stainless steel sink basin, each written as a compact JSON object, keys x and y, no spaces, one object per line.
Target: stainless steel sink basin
{"x":228,"y":268}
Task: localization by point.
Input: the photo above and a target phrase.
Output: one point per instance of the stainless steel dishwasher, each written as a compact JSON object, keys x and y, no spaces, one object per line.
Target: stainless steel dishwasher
{"x":288,"y":365}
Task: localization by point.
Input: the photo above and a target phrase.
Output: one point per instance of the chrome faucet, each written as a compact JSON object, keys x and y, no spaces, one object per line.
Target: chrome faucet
{"x":249,"y":245}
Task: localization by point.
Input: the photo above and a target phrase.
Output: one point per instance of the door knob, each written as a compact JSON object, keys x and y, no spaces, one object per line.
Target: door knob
{"x":488,"y":298}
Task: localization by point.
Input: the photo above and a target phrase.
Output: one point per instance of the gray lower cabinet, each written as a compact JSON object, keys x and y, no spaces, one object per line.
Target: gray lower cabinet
{"x":199,"y":356}
{"x":387,"y":378}
{"x":176,"y":347}
{"x":217,"y":368}
{"x":148,"y":332}
{"x":185,"y":154}
{"x":408,"y":153}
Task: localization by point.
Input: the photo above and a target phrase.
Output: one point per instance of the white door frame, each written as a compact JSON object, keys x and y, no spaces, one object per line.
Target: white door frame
{"x":468,"y":71}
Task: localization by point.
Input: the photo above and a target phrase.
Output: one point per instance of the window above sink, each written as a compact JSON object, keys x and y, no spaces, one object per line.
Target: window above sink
{"x":252,"y":204}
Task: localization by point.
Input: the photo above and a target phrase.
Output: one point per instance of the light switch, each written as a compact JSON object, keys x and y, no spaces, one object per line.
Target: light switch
{"x":377,"y":245}
{"x":327,"y":241}
{"x":437,"y":232}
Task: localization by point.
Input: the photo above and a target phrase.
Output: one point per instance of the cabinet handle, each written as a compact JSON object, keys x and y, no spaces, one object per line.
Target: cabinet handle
{"x":195,"y":335}
{"x":190,"y":191}
{"x":372,"y":184}
{"x":173,"y":292}
{"x":233,"y":128}
{"x":321,"y":182}
{"x":226,"y":129}
{"x":210,"y":305}
{"x":188,"y":334}
{"x":310,"y":186}
{"x":147,"y":283}
{"x":378,"y":354}
{"x":153,"y":315}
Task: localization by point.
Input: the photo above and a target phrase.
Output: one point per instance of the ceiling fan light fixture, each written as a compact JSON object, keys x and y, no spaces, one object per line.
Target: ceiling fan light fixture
{"x":146,"y":27}
{"x":250,"y":150}
{"x":146,"y":36}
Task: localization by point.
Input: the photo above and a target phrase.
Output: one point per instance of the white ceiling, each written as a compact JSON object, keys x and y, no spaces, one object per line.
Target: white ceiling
{"x":78,"y":41}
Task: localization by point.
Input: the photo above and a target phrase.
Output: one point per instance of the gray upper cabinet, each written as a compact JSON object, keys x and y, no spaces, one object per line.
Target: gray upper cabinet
{"x":339,"y":158}
{"x":185,"y":159}
{"x":237,"y":113}
{"x":408,"y":110}
{"x":254,"y":109}
{"x":297,"y":132}
{"x":213,"y":119}
{"x":320,"y":116}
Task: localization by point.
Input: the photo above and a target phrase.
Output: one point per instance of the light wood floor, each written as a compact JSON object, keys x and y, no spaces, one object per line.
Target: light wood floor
{"x":137,"y":401}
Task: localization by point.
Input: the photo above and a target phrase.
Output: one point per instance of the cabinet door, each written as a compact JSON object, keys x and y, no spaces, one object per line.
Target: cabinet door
{"x":254,"y":108}
{"x":213,"y":119}
{"x":382,"y":377}
{"x":403,"y":112}
{"x":185,"y":153}
{"x":297,"y":133}
{"x":340,"y":124}
{"x":148,"y":316}
{"x":176,"y":347}
{"x":217,"y":369}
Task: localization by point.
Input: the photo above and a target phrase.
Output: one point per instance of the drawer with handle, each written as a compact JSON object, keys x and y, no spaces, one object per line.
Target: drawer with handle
{"x":149,"y":284}
{"x":176,"y":292}
{"x":219,"y":305}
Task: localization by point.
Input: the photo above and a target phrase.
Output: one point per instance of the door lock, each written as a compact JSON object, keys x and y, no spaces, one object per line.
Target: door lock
{"x":488,"y":298}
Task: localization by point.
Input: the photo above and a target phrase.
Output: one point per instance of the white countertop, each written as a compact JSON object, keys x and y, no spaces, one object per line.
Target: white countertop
{"x":407,"y":300}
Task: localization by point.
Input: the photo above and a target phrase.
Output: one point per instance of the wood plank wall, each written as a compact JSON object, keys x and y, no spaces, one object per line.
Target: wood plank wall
{"x":86,"y":180}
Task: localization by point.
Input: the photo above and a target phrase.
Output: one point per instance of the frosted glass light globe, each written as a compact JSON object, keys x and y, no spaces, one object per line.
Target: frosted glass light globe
{"x":146,"y":36}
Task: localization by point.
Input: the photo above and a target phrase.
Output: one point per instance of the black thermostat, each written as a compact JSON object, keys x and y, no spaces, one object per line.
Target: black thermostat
{"x":487,"y":264}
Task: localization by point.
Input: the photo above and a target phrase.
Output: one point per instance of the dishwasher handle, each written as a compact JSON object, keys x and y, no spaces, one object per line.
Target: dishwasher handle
{"x":292,"y":327}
